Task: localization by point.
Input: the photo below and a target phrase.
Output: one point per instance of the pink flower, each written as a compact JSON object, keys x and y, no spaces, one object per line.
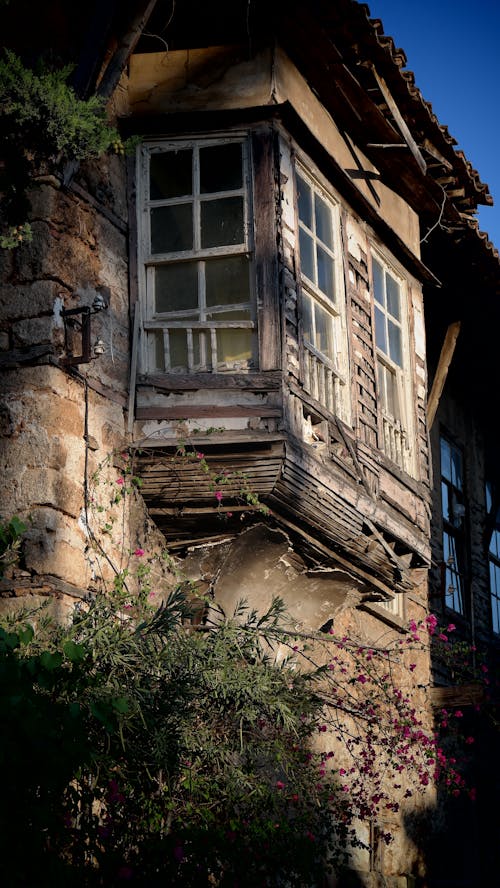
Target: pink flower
{"x":139,"y":552}
{"x":120,"y":481}
{"x":229,"y":514}
{"x":412,"y":667}
{"x":322,"y":728}
{"x":280,"y":784}
{"x":200,"y":455}
{"x":442,"y":637}
{"x":451,"y":627}
{"x":362,"y":678}
{"x":218,"y":496}
{"x":472,"y":794}
{"x":470,"y":740}
{"x":459,"y":714}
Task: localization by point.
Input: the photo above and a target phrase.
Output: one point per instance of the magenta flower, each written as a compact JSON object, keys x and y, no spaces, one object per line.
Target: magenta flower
{"x":459,"y":714}
{"x":200,"y":455}
{"x":120,"y":481}
{"x":280,"y":784}
{"x":139,"y":552}
{"x":218,"y":495}
{"x":470,"y":740}
{"x":451,"y":627}
{"x":362,"y":678}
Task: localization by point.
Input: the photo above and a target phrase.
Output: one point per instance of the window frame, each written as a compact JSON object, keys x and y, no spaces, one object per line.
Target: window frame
{"x":326,"y":380}
{"x":201,"y":328}
{"x":493,"y":557}
{"x":453,"y":534}
{"x":396,"y":433}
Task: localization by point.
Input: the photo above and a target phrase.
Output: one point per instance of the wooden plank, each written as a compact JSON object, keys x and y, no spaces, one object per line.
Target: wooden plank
{"x":443,"y":366}
{"x":133,"y":367}
{"x":266,"y":267}
{"x":400,"y":121}
{"x":205,"y":412}
{"x":128,"y":41}
{"x":177,"y":382}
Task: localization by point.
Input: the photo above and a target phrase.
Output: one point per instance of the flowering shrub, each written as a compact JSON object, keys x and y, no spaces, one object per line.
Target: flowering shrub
{"x":235,"y":752}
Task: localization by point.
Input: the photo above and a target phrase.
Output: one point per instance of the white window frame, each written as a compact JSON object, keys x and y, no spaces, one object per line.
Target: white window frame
{"x":396,"y":436}
{"x":325,"y":379}
{"x":201,"y":332}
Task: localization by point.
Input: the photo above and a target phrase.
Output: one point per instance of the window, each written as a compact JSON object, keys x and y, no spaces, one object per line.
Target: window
{"x":323,"y":313}
{"x":494,"y":554}
{"x":390,"y":343}
{"x":196,"y":245}
{"x":453,"y":510}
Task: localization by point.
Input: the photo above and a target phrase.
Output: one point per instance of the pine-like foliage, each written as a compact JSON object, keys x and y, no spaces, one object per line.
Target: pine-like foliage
{"x":136,"y":748}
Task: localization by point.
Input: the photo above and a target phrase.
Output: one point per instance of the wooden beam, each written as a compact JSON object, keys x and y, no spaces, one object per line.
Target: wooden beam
{"x":187,"y":382}
{"x":398,"y":117}
{"x":445,"y":359}
{"x":204,"y":411}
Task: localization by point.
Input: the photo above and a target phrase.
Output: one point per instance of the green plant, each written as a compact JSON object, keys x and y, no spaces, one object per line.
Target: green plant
{"x":42,"y":123}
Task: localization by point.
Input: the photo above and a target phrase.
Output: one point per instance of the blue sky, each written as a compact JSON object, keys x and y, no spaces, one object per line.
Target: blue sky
{"x":453,"y":48}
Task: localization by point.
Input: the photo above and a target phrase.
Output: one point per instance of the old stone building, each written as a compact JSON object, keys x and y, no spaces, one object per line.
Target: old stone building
{"x":256,"y":283}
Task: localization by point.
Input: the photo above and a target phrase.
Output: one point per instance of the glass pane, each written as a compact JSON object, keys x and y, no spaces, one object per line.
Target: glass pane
{"x":323,"y":215}
{"x":495,"y":613}
{"x":172,"y":228}
{"x":221,"y":168}
{"x":305,"y":202}
{"x":179,"y":352}
{"x":306,"y":255}
{"x":445,"y":459}
{"x":222,"y":222}
{"x":325,"y":273}
{"x":380,"y":334}
{"x":159,"y":350}
{"x":393,"y":301}
{"x":324,"y":333}
{"x":445,"y":500}
{"x":170,"y":174}
{"x":456,"y":467}
{"x":234,"y":346}
{"x":176,"y":287}
{"x":387,"y":386}
{"x":395,"y":347}
{"x":378,"y":282}
{"x":453,"y":591}
{"x":495,"y":544}
{"x":227,"y":280}
{"x":489,"y":495}
{"x":307,"y":321}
